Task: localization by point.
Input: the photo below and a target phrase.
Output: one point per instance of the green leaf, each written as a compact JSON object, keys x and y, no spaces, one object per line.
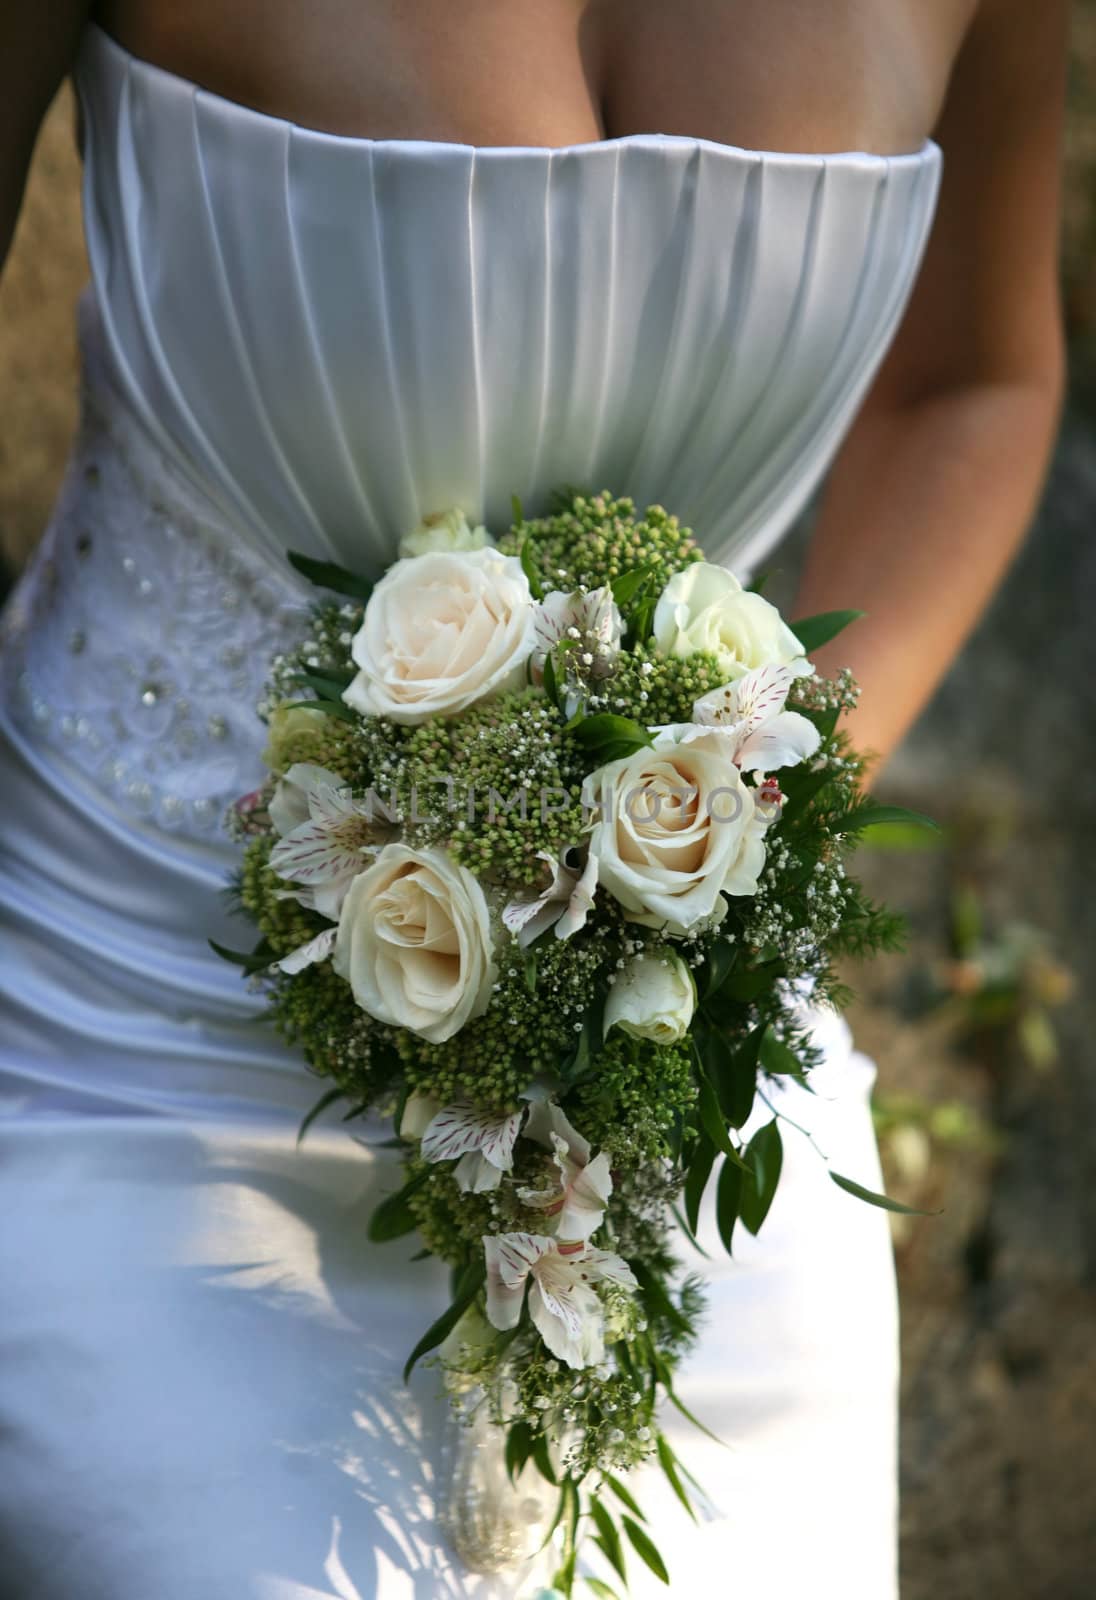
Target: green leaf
{"x":801,"y":785}
{"x":645,"y":1549}
{"x":679,"y":1218}
{"x":551,"y":683}
{"x":251,"y":961}
{"x":519,"y":1447}
{"x":581,"y":1064}
{"x":604,"y":727}
{"x":327,"y":688}
{"x":728,"y":1197}
{"x":325,"y":1100}
{"x":543,"y":1460}
{"x":668,"y":1463}
{"x":750,"y":983}
{"x":602,"y":1590}
{"x":628,"y":585}
{"x":530,"y":569}
{"x":666,"y":1377}
{"x":529,"y":966}
{"x":777,"y":1057}
{"x":765,"y":1155}
{"x":882,"y":1200}
{"x":329,"y":575}
{"x":608,"y":1540}
{"x":516,"y":512}
{"x":711,"y":1117}
{"x":869,"y":814}
{"x":473,"y":1281}
{"x":814,"y":632}
{"x":624,"y":1495}
{"x":721,"y":958}
{"x":696,"y":1179}
{"x":331,"y":708}
{"x":734,"y":1072}
{"x":656,"y":1299}
{"x":392,"y":1218}
{"x":899,"y":838}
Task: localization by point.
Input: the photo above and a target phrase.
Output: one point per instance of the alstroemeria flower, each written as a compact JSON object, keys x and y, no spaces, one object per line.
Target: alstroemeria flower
{"x":307,"y":955}
{"x":592,"y":626}
{"x":576,"y":1203}
{"x":482,"y":1146}
{"x":749,"y":713}
{"x":567,"y":901}
{"x":418,"y":1113}
{"x":325,"y":851}
{"x":563,"y":1303}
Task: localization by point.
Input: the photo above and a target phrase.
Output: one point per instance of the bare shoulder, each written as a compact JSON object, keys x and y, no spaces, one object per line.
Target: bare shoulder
{"x":37,"y":45}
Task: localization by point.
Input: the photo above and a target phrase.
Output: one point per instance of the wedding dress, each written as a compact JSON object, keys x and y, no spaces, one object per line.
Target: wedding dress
{"x":297,"y":340}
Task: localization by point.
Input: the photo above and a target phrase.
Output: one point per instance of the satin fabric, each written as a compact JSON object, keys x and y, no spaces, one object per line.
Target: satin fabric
{"x":299,"y":341}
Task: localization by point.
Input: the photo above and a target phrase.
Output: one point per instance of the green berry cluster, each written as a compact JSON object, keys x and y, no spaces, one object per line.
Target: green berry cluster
{"x":637,"y":1092}
{"x":595,"y":538}
{"x":496,"y":786}
{"x":654,"y":688}
{"x":525,"y":1033}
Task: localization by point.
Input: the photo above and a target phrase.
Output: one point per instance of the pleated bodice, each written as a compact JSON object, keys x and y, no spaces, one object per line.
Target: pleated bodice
{"x":340,"y":334}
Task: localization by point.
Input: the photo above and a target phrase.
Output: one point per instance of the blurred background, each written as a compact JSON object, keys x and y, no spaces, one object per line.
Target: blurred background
{"x":983,"y":1028}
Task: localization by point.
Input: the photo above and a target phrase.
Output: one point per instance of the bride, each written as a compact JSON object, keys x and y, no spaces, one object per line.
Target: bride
{"x":352,"y":265}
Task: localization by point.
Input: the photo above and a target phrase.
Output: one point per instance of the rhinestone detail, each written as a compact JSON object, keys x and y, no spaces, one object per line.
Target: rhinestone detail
{"x":139,"y":639}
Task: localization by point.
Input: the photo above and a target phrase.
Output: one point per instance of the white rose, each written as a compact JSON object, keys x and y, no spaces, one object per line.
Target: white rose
{"x":677,"y":830}
{"x":653,"y":998}
{"x":704,"y":607}
{"x":444,"y":530}
{"x":441,"y":631}
{"x":414,"y":942}
{"x":289,"y":723}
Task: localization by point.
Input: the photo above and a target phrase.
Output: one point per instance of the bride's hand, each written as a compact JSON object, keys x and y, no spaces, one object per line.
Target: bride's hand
{"x":937,"y":482}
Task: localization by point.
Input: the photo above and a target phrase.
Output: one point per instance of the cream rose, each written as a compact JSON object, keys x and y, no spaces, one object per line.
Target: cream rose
{"x":414,"y":942}
{"x":441,"y":631}
{"x":677,"y":829}
{"x":289,"y":726}
{"x":704,"y":607}
{"x":653,"y":998}
{"x":443,"y":530}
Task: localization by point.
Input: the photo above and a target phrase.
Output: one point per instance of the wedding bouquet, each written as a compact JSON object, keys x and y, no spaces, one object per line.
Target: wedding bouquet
{"x":552,"y":846}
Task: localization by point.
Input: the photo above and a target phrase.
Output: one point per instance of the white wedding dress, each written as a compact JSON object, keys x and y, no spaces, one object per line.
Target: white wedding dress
{"x":296,"y":340}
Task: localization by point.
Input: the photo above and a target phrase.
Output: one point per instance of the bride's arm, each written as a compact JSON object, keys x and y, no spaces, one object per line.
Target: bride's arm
{"x":37,"y":45}
{"x":936,"y":484}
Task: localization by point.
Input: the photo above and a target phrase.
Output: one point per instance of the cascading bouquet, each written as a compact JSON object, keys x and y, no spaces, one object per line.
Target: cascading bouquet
{"x":528,"y":883}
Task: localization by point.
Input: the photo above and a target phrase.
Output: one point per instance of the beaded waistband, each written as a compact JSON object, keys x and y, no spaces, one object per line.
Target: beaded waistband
{"x":138,"y":640}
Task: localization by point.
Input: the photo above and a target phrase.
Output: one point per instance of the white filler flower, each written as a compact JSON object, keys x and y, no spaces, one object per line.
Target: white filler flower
{"x":440,"y":632}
